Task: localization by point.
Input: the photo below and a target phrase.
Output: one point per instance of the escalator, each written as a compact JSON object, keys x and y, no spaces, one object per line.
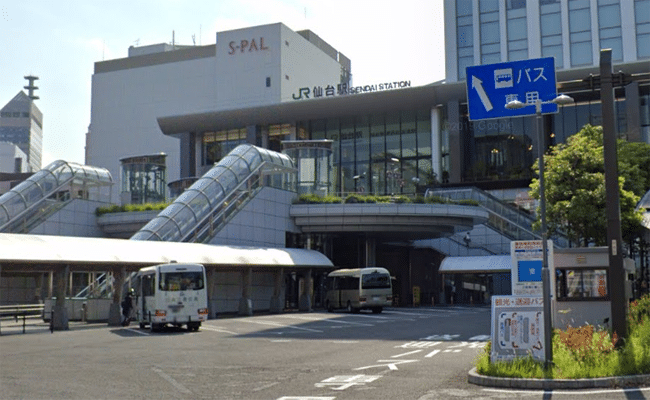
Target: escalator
{"x":33,"y":201}
{"x":202,"y":210}
{"x":505,"y":223}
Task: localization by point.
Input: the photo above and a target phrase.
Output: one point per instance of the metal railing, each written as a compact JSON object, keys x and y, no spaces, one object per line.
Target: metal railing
{"x":504,"y":218}
{"x":22,"y":311}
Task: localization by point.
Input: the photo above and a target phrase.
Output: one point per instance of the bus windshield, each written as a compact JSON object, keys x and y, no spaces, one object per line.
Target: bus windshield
{"x":375,"y":280}
{"x":177,"y":281}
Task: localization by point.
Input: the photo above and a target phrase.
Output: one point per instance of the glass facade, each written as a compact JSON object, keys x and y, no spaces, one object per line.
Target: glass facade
{"x":464,"y":36}
{"x":580,"y":33}
{"x":642,"y":23}
{"x":609,"y":27}
{"x":216,"y":145}
{"x":551,"y":30}
{"x":144,"y":179}
{"x":378,"y":153}
{"x":517,"y":30}
{"x":490,"y":32}
{"x":385,"y":153}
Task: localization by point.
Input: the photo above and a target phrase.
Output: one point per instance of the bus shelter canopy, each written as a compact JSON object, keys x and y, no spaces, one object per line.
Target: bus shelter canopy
{"x":476,"y":265}
{"x":30,"y":253}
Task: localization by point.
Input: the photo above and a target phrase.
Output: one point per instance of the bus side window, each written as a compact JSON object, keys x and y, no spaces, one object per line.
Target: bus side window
{"x":329,"y":283}
{"x":355,"y":284}
{"x":148,"y":287}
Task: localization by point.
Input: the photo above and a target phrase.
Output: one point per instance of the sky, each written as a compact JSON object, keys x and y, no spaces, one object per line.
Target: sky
{"x":60,"y":41}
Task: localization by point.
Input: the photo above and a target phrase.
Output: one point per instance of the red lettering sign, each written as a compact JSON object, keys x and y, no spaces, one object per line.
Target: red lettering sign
{"x":245,"y":45}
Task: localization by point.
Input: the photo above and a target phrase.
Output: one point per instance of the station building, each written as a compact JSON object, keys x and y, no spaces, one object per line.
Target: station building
{"x":273,"y":88}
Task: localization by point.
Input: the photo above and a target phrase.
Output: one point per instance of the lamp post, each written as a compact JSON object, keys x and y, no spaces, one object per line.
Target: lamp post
{"x":546,"y":278}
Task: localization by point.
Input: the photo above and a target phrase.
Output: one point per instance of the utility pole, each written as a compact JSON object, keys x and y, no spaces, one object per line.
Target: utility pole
{"x":616,"y":279}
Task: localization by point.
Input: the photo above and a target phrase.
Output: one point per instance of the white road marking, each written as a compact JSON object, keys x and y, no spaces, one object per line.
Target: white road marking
{"x":336,"y":321}
{"x":420,"y":315}
{"x":217,"y":329}
{"x":275,"y":324}
{"x":137,"y":331}
{"x":268,"y":385}
{"x":391,"y":364}
{"x":433,"y":353}
{"x":406,"y":354}
{"x":171,"y":380}
{"x":305,"y":398}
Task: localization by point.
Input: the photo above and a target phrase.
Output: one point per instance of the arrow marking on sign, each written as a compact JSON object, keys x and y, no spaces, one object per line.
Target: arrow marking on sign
{"x":478,"y":85}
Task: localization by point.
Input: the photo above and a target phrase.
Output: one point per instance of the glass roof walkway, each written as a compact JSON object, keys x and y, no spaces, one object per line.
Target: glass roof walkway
{"x":205,"y":208}
{"x":49,"y":190}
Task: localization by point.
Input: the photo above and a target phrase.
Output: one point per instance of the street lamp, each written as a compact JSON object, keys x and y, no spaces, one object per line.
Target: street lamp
{"x":562,"y":99}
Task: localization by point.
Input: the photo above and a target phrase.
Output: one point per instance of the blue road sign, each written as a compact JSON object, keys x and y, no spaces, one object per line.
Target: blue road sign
{"x":529,"y":270}
{"x":490,"y":87}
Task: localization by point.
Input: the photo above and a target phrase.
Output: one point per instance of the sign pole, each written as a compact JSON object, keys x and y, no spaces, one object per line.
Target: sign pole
{"x":546,"y":279}
{"x":616,"y":279}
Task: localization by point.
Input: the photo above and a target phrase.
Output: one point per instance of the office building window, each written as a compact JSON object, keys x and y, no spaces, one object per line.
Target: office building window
{"x":609,"y":24}
{"x":580,"y":33}
{"x":490,"y":39}
{"x":216,"y":145}
{"x":464,"y":36}
{"x":551,"y":29}
{"x":642,"y":22}
{"x":517,"y":30}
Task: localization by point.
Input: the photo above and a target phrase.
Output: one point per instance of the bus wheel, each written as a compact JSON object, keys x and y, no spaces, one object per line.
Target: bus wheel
{"x":328,"y":306}
{"x":154,"y":327}
{"x":352,"y":309}
{"x":376,"y":310}
{"x":193,"y":327}
{"x":142,"y":325}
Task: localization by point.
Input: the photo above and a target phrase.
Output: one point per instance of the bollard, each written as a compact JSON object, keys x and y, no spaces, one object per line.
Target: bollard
{"x":52,"y":321}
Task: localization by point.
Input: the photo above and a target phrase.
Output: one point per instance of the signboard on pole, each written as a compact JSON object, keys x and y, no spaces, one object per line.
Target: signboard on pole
{"x":517,"y":328}
{"x":490,"y":87}
{"x":527,"y":266}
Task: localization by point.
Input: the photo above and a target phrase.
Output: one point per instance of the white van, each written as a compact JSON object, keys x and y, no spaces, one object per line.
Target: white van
{"x":358,"y":289}
{"x":174,"y":294}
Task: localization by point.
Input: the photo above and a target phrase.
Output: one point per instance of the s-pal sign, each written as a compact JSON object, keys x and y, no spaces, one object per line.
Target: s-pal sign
{"x":245,"y":45}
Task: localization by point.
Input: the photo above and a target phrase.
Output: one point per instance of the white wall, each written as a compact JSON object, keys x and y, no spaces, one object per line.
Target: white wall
{"x":305,"y":65}
{"x":263,"y":222}
{"x":8,"y":153}
{"x":245,"y":58}
{"x":77,"y":218}
{"x":126,"y":104}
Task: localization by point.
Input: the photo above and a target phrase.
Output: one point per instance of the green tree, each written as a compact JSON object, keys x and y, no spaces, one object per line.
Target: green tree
{"x":575,"y":187}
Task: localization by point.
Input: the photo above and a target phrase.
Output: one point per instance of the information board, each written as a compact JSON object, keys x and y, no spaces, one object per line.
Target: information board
{"x":526,"y":270}
{"x":517,"y":328}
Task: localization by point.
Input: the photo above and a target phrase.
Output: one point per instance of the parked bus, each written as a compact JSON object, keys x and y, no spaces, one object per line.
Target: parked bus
{"x":174,"y":294}
{"x":359,"y":289}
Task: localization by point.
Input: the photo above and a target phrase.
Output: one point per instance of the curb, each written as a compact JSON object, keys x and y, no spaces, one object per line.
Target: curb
{"x":588,"y":383}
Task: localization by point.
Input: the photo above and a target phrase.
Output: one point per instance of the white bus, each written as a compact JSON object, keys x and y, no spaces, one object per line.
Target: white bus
{"x":358,"y":289}
{"x":174,"y":294}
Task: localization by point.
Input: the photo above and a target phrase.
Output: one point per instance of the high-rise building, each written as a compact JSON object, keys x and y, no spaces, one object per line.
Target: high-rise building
{"x":21,"y":123}
{"x":571,"y":31}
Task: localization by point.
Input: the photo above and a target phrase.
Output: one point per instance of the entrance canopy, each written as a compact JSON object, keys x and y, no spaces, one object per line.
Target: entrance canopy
{"x":31,"y":253}
{"x":476,"y":265}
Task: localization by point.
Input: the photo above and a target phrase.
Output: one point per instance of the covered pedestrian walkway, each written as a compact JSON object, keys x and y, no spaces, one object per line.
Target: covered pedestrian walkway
{"x":61,"y":255}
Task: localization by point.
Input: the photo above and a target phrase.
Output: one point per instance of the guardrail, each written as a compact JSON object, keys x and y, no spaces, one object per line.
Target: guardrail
{"x":24,"y":311}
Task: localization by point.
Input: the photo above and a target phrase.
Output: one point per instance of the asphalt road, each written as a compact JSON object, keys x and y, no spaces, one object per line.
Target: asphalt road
{"x":403,"y":353}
